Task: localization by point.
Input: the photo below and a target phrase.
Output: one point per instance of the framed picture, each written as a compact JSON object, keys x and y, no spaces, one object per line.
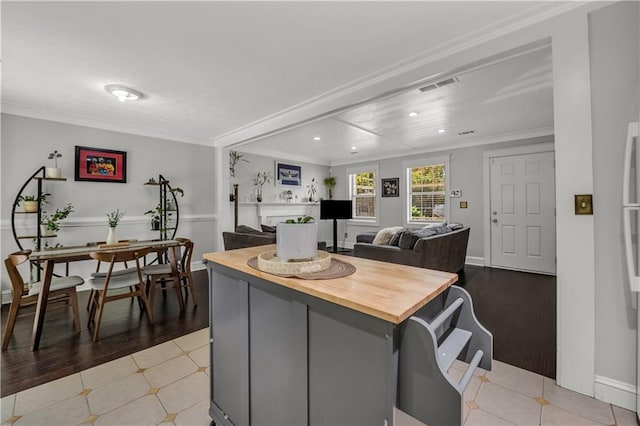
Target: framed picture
{"x":288,"y":174}
{"x":391,"y":187}
{"x":100,"y":165}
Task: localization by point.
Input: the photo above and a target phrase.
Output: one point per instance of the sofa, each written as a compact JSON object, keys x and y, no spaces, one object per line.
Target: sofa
{"x":245,"y":236}
{"x":443,"y":249}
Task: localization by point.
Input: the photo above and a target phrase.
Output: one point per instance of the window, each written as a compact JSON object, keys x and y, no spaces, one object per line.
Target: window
{"x":362,"y":191}
{"x":427,"y":191}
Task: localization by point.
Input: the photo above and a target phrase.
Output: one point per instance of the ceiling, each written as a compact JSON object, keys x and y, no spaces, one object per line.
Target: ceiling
{"x":209,"y":69}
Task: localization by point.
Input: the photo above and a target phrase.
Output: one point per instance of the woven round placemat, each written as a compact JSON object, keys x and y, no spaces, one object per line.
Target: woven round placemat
{"x":338,"y":269}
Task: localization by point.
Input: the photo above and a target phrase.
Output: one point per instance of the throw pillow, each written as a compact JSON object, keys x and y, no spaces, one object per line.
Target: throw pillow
{"x":244,"y":229}
{"x":395,"y":240}
{"x":410,"y":237}
{"x":434,"y":225}
{"x":385,"y":234}
{"x":267,"y":228}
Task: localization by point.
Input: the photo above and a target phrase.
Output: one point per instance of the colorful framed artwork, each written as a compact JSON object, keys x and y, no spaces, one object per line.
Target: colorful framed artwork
{"x":391,"y":187}
{"x":100,"y":165}
{"x":288,"y":174}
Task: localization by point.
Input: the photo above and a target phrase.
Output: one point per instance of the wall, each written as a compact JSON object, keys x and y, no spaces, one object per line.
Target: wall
{"x":26,"y":143}
{"x":466,"y":173}
{"x":245,"y":172}
{"x":615,"y":93}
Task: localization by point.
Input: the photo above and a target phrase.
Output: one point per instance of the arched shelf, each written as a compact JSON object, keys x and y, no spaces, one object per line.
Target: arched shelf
{"x":39,"y":176}
{"x":169,"y":210}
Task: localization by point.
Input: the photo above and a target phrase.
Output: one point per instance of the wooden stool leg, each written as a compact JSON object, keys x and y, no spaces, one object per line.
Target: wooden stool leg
{"x":73,"y":298}
{"x":11,"y":322}
{"x":189,"y":279}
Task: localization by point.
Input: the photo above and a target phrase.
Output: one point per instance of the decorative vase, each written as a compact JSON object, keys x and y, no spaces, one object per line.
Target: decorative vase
{"x":296,"y":241}
{"x":155,"y":225}
{"x":53,"y":172}
{"x":45,"y":232}
{"x":30,"y":206}
{"x":330,"y":193}
{"x":111,"y":237}
{"x":259,"y":196}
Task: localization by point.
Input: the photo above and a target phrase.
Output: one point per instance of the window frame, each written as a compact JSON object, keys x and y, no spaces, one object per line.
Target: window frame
{"x":376,"y":198}
{"x":426,"y":162}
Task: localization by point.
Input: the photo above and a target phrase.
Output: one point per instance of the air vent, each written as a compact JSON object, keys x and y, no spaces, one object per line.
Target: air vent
{"x":439,"y":84}
{"x":468,"y":132}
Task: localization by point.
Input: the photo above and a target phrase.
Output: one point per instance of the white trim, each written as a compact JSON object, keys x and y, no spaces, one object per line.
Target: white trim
{"x":376,"y":199}
{"x":474,"y":261}
{"x":615,"y":392}
{"x":487,"y":156}
{"x":426,"y":161}
{"x":86,"y":221}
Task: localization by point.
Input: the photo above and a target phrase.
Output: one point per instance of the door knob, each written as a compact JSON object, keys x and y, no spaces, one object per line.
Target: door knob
{"x":495,"y":220}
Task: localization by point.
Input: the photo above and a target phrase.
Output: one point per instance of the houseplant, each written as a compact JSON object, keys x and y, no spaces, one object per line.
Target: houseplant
{"x":54,"y":172}
{"x":155,"y":214}
{"x":30,"y":202}
{"x":260,"y":179}
{"x":170,"y":203}
{"x":50,"y":223}
{"x":113,"y":219}
{"x":330,"y":183}
{"x":311,"y":189}
{"x":234,"y":158}
{"x":297,"y":239}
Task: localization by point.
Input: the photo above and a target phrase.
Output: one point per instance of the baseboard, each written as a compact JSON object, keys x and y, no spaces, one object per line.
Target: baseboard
{"x":474,"y":261}
{"x":615,"y":392}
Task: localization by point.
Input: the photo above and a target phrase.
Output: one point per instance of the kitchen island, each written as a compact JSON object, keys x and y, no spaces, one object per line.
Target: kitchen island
{"x":296,"y":352}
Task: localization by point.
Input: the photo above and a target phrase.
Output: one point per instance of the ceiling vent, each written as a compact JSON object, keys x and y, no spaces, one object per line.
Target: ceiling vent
{"x":440,"y":84}
{"x":468,"y":132}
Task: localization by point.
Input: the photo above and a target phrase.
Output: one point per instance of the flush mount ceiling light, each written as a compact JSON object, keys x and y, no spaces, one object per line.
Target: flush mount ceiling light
{"x":413,"y":114}
{"x":123,"y":93}
{"x":316,"y":138}
{"x":442,"y":130}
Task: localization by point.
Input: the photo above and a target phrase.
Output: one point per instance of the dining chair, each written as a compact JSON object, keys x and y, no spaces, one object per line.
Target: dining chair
{"x":161,"y":273}
{"x":118,"y":277}
{"x":62,"y":289}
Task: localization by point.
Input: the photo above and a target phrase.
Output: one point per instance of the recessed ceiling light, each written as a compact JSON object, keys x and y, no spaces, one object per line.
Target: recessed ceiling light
{"x":123,"y":93}
{"x":442,"y":130}
{"x":353,"y":148}
{"x":413,"y":114}
{"x":316,"y":138}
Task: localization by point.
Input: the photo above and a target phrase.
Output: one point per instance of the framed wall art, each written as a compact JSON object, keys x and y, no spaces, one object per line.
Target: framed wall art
{"x":288,"y":174}
{"x":100,"y":165}
{"x":391,"y":187}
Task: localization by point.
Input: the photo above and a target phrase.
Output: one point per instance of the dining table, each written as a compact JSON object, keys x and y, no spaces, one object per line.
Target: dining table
{"x":52,"y":256}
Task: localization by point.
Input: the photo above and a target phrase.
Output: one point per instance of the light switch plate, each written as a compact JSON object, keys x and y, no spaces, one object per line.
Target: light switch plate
{"x":583,"y":203}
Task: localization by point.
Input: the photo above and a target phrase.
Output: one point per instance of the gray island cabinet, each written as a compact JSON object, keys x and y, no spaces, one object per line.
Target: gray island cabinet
{"x":344,"y":351}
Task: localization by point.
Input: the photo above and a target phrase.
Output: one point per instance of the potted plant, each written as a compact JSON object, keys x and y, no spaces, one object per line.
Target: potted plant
{"x":50,"y":223}
{"x":311,"y":189}
{"x":260,"y":179}
{"x":234,"y":158}
{"x":170,"y":204}
{"x":330,"y":183}
{"x":30,"y":203}
{"x":54,"y":172}
{"x":297,"y":239}
{"x":113,"y":218}
{"x":155,"y":214}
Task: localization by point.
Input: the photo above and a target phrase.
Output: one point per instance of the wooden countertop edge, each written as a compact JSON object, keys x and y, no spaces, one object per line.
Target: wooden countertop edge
{"x":293,"y":283}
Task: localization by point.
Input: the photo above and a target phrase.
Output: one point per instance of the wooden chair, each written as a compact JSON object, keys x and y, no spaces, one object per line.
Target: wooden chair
{"x":117,"y":279}
{"x":161,"y":273}
{"x":61,"y":290}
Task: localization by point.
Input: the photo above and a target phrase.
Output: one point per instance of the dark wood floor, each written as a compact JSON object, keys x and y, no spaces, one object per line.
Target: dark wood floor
{"x":518,"y":308}
{"x":123,"y":331}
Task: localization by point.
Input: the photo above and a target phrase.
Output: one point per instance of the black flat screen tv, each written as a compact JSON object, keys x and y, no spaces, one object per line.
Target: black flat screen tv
{"x":335,"y":209}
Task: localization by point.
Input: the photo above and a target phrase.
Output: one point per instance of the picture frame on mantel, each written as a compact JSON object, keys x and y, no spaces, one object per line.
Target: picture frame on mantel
{"x":288,"y":174}
{"x":100,"y":165}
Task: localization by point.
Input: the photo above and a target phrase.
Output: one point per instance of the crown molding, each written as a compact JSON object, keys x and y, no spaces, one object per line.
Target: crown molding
{"x":81,"y":120}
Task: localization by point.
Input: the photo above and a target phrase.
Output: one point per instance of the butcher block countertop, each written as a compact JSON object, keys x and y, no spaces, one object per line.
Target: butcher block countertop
{"x":383,"y":290}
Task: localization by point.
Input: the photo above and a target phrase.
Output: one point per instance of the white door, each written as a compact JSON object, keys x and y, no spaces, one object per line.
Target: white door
{"x":523,"y":225}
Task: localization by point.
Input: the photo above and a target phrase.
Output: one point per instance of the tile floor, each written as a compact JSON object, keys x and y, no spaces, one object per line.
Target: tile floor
{"x":168,"y":384}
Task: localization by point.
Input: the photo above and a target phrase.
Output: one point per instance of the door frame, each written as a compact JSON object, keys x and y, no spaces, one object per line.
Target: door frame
{"x":504,"y":152}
